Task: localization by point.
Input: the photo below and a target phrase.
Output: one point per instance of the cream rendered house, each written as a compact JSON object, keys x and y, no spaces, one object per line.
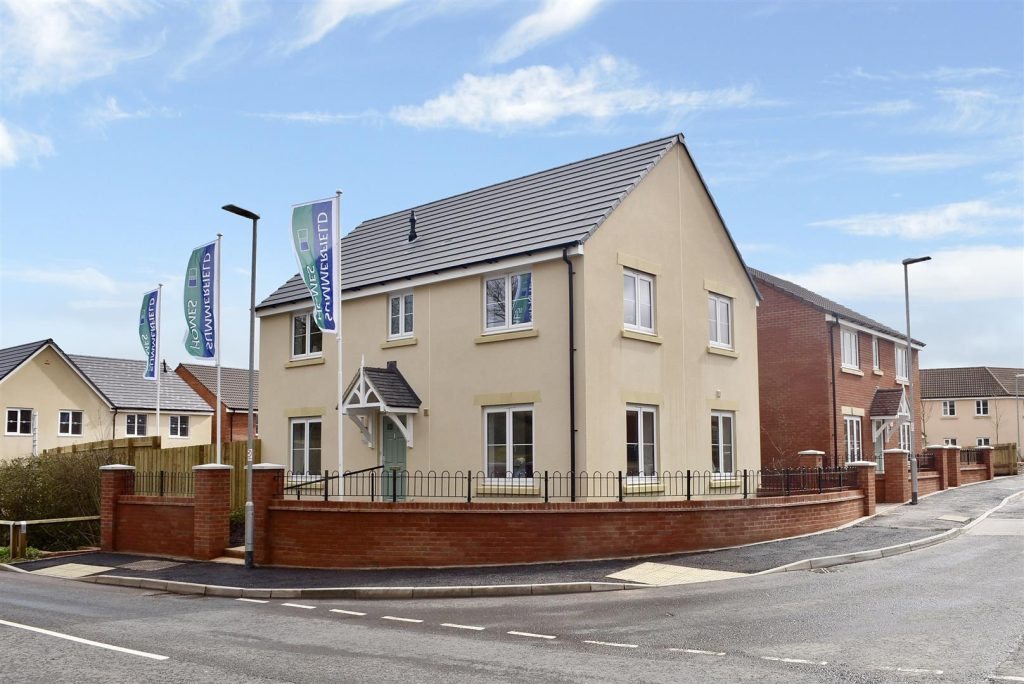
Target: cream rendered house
{"x":459,"y":332}
{"x":972,"y":406}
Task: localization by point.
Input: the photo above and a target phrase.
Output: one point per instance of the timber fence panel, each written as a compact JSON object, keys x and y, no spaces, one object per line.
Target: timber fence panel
{"x":1004,"y":459}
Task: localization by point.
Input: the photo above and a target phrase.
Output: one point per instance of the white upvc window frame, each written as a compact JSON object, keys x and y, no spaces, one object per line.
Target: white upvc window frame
{"x":70,"y":423}
{"x":902,"y":362}
{"x":643,"y":439}
{"x":981,"y":407}
{"x":879,"y":433}
{"x":507,"y":411}
{"x":20,"y":420}
{"x":131,"y":427}
{"x":404,"y":317}
{"x":507,"y":325}
{"x":310,"y":333}
{"x":875,"y":358}
{"x":948,"y":408}
{"x":715,"y":325}
{"x":983,"y":441}
{"x":305,"y":422}
{"x":718,"y":450}
{"x":949,"y":441}
{"x":175,"y":423}
{"x":906,"y":430}
{"x":849,"y":352}
{"x":633,"y":306}
{"x":854,"y":438}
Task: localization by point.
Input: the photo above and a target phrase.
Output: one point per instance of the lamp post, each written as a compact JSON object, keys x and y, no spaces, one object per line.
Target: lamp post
{"x":910,"y":378}
{"x":245,"y":213}
{"x":1016,"y":403}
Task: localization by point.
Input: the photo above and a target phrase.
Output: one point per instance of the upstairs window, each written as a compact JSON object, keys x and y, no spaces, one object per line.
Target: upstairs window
{"x":179,"y":426}
{"x":638,"y":301}
{"x":901,"y":362}
{"x":400,"y":312}
{"x":508,"y":302}
{"x":874,"y":353}
{"x":69,"y":424}
{"x":19,"y":421}
{"x":949,"y":441}
{"x":851,"y":358}
{"x":981,"y":407}
{"x":307,"y":340}
{"x":983,"y":441}
{"x":720,"y":321}
{"x":135,"y":425}
{"x":948,"y":407}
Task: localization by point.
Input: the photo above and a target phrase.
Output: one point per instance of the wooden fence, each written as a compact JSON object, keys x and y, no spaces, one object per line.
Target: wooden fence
{"x":146,"y":455}
{"x":1004,"y":459}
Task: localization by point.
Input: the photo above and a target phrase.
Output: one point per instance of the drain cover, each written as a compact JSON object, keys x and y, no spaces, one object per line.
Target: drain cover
{"x":149,"y":565}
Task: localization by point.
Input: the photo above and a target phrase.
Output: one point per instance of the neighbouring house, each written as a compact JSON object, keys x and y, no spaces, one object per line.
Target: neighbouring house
{"x":234,"y":397}
{"x":593,"y":317}
{"x":831,"y":379}
{"x":972,"y":406}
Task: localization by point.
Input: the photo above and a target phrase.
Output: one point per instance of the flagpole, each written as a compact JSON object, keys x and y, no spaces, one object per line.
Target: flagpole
{"x":159,"y":367}
{"x":341,"y":373}
{"x":217,"y":341}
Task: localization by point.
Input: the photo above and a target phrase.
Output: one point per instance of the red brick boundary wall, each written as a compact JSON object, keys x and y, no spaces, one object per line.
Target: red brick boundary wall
{"x":894,"y":484}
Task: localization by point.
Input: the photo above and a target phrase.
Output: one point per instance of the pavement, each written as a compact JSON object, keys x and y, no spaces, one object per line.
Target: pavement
{"x":895,"y":529}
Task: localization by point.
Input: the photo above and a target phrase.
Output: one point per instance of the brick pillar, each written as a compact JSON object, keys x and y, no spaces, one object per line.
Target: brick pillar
{"x":938,"y":454}
{"x":953,"y":466}
{"x":864,"y":472}
{"x":115,"y":481}
{"x":810,"y":459}
{"x":211,"y":525}
{"x":897,"y":480}
{"x":267,"y":485}
{"x":985,"y":456}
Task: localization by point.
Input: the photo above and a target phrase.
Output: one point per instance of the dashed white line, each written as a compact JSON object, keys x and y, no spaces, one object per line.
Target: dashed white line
{"x":611,"y":643}
{"x":248,"y":600}
{"x":697,"y":651}
{"x":347,"y":612}
{"x":799,"y":661}
{"x":1006,"y":678}
{"x":532,"y":635}
{"x":455,"y":626}
{"x":87,"y":642}
{"x":911,"y":670}
{"x":399,"y":619}
{"x":298,"y":605}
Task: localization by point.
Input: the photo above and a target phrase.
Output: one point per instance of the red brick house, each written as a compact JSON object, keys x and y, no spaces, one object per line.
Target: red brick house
{"x":831,"y":379}
{"x":234,"y":396}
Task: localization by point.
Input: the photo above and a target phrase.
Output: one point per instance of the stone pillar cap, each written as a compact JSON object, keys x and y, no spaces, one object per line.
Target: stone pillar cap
{"x":267,"y":466}
{"x":985,"y":446}
{"x":212,"y":466}
{"x":117,"y":466}
{"x":810,"y":452}
{"x":862,"y":463}
{"x":895,"y":451}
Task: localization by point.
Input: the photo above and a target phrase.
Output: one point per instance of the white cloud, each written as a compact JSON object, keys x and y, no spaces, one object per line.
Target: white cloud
{"x":552,"y":18}
{"x":886,"y":108}
{"x":223,"y":18}
{"x":87,"y":278}
{"x":960,"y":218}
{"x":111,"y":111}
{"x":316,"y":117}
{"x":539,"y":95}
{"x":323,"y":16}
{"x":897,"y":163}
{"x":51,"y":45}
{"x":939,"y":74}
{"x":18,"y":145}
{"x":978,"y":111}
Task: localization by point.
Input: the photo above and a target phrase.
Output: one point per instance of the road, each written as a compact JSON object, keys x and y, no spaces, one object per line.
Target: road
{"x":949,"y":613}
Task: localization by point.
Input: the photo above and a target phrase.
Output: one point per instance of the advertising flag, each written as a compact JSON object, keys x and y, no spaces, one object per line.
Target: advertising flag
{"x":148,"y":333}
{"x":314,"y":239}
{"x":202,"y":286}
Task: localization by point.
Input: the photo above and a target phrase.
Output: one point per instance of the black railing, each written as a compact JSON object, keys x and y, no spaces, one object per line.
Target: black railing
{"x":969,"y":456}
{"x":393,"y":485}
{"x":165,"y":483}
{"x":926,"y":461}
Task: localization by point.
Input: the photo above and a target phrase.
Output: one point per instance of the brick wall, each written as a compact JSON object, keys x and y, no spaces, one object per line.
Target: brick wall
{"x":154,"y":524}
{"x":927,"y":483}
{"x":973,"y":473}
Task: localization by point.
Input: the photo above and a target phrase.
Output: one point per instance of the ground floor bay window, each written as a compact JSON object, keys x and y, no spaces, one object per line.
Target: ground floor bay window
{"x":305,"y":445}
{"x":723,"y":441}
{"x":641,"y":438}
{"x":508,"y":437}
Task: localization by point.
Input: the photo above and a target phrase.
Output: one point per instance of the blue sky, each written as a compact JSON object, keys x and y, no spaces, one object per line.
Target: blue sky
{"x":837,"y":139}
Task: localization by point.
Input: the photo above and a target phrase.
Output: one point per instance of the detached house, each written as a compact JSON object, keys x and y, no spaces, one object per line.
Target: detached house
{"x":831,"y":379}
{"x":592,"y":317}
{"x":972,"y":406}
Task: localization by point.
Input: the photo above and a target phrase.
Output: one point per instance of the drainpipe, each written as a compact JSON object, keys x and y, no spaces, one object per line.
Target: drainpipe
{"x":835,"y":416}
{"x":572,"y":376}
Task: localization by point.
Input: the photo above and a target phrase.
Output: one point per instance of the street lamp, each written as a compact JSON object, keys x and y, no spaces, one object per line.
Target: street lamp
{"x":245,"y":213}
{"x":1016,"y":402}
{"x":910,"y":378}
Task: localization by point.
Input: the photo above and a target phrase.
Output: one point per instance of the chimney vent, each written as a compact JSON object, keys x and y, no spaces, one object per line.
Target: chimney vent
{"x":412,"y":225}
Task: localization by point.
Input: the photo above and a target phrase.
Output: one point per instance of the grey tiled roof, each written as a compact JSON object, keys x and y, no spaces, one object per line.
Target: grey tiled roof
{"x":974,"y":381}
{"x":234,"y":384}
{"x":825,"y":304}
{"x":391,"y":385}
{"x":545,"y":210}
{"x":121,"y":381}
{"x":12,"y":357}
{"x":886,"y":403}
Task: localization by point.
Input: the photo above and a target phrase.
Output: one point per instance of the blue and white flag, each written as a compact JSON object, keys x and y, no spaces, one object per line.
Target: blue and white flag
{"x":202,"y":290}
{"x":314,"y":240}
{"x":149,"y":319}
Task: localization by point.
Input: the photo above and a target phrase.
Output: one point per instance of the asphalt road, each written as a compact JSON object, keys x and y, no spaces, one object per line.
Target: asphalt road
{"x":950,"y":613}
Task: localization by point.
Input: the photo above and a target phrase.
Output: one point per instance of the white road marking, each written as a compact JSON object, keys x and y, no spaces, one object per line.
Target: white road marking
{"x":248,"y":600}
{"x":796,"y":660}
{"x":347,"y":612}
{"x":399,"y":619}
{"x":87,"y":642}
{"x":531,"y":634}
{"x":1006,"y":678}
{"x":298,"y":605}
{"x":911,"y":670}
{"x":697,"y":651}
{"x":454,"y":626}
{"x":610,"y":643}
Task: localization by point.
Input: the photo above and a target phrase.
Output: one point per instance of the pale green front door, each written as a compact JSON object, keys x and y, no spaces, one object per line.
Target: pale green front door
{"x":393,"y":459}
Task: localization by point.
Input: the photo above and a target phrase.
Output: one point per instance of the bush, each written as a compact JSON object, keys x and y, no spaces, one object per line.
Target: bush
{"x":31,"y":553}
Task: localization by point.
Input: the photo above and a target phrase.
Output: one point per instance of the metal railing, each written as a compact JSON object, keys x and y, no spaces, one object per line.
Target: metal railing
{"x":394,"y":485}
{"x":924,"y":462}
{"x":969,"y":456}
{"x":165,"y":483}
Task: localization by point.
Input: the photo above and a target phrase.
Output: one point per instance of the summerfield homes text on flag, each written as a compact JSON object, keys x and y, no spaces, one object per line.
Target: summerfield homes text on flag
{"x":148,"y":332}
{"x":201,"y":294}
{"x":314,"y":239}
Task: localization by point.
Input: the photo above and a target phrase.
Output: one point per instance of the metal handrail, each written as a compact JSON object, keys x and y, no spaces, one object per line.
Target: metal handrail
{"x":364,"y":470}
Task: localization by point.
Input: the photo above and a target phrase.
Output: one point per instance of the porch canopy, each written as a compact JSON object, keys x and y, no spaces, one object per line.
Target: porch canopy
{"x":384,"y":392}
{"x":889,"y":407}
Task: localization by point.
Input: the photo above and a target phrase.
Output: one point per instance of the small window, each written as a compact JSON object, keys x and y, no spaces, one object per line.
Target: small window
{"x":948,"y":407}
{"x":179,"y":426}
{"x":720,"y":321}
{"x":508,"y":302}
{"x":723,"y":442}
{"x":950,"y":441}
{"x":906,"y":430}
{"x":641,"y":441}
{"x":854,"y":449}
{"x":307,"y":340}
{"x":851,"y":358}
{"x":306,"y":445}
{"x":983,"y":441}
{"x":874,"y":353}
{"x":508,"y":442}
{"x":901,"y":362}
{"x":400,"y":315}
{"x":638,"y":301}
{"x":70,"y":424}
{"x":135,"y":425}
{"x":19,"y":421}
{"x":981,"y":407}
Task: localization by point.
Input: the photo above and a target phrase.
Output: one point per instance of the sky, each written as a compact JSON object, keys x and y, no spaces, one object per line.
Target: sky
{"x":836,"y":138}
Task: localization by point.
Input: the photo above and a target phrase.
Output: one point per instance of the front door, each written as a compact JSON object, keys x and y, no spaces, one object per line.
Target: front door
{"x":393,"y":459}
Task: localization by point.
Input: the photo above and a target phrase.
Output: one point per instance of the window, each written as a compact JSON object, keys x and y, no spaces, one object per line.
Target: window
{"x":638,"y":301}
{"x":307,"y":340}
{"x":135,"y":425}
{"x":508,"y":441}
{"x":981,"y":407}
{"x":723,"y":442}
{"x":69,"y":423}
{"x":19,"y":421}
{"x":641,"y":440}
{"x":720,"y":321}
{"x":849,"y":348}
{"x":508,"y":302}
{"x":901,"y":362}
{"x":854,"y":451}
{"x":874,"y":353}
{"x":948,"y":407}
{"x":878,"y":435}
{"x":179,"y":426}
{"x":306,"y":445}
{"x":983,"y":441}
{"x":906,"y":430}
{"x":400,"y":315}
{"x":949,"y":441}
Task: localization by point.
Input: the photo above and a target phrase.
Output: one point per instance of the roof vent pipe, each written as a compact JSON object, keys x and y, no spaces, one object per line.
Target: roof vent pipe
{"x":412,"y":225}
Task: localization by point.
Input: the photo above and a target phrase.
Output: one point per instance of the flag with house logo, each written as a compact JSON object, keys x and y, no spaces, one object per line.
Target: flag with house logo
{"x":148,"y":333}
{"x":202,"y":290}
{"x":314,"y":240}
